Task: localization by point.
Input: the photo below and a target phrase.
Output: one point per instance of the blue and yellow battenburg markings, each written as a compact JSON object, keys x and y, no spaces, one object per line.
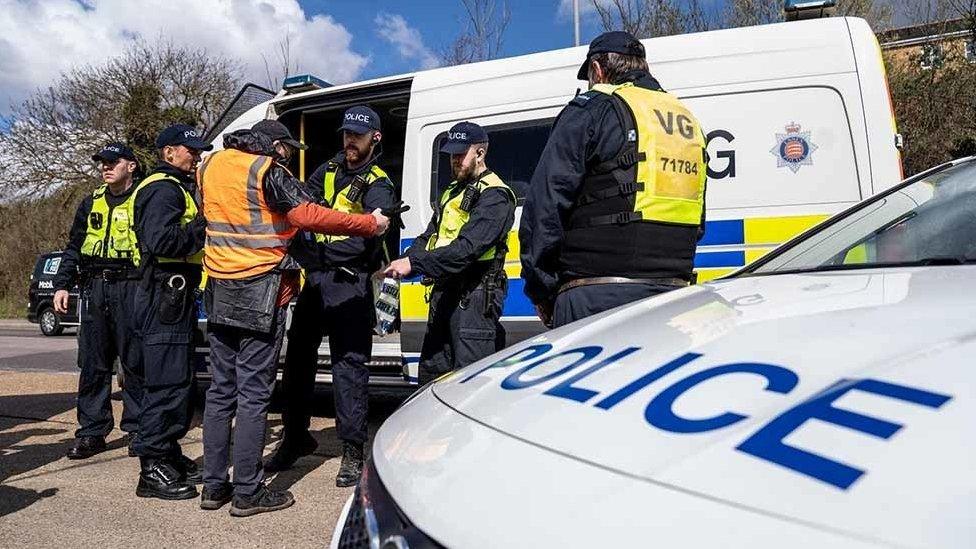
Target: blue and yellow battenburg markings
{"x":728,"y":244}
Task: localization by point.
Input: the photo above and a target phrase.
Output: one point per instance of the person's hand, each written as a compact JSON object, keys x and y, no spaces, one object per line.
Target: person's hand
{"x":399,"y":268}
{"x":61,"y":302}
{"x":544,"y":310}
{"x":382,"y":222}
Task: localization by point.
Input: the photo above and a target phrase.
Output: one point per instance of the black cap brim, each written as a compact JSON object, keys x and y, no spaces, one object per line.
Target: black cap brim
{"x":197,"y":144}
{"x":584,"y":70}
{"x":106,"y":156}
{"x":294,"y":143}
{"x":455,"y":148}
{"x":357,"y":128}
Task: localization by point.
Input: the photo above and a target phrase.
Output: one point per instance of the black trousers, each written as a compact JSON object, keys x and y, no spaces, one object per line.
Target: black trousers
{"x":341,"y":307}
{"x":244,"y":365}
{"x":462,"y":327}
{"x":166,"y":335}
{"x":106,"y":334}
{"x":584,"y":301}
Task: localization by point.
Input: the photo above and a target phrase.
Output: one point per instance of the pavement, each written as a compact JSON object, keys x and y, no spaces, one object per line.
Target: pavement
{"x":47,"y":500}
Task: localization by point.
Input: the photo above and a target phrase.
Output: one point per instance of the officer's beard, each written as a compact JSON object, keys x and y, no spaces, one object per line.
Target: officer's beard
{"x":356,"y":156}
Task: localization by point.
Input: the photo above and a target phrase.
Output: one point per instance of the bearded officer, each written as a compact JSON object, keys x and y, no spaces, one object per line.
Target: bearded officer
{"x":462,"y":256}
{"x":101,"y":250}
{"x":337,"y":299}
{"x":170,"y":233}
{"x":616,"y":205}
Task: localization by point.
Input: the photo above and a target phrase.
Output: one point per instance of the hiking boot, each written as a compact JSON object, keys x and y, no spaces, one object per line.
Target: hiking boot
{"x":264,"y":500}
{"x":288,"y":453}
{"x":351,"y":467}
{"x":159,"y":479}
{"x":212,"y":499}
{"x":86,"y":447}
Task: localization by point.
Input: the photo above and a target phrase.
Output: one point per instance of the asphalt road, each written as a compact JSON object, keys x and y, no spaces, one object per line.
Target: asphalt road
{"x":47,"y":500}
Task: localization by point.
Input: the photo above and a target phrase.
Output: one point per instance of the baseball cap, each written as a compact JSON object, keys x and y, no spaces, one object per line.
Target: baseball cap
{"x":114,"y":151}
{"x":276,"y":131}
{"x":182,"y":134}
{"x":360,"y":119}
{"x":611,"y":42}
{"x":462,"y":135}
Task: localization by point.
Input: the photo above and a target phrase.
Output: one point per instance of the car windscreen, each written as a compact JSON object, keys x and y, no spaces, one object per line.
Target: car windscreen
{"x":931,"y":221}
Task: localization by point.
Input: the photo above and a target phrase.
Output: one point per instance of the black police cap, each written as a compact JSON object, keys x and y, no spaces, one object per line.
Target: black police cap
{"x":611,"y":42}
{"x":462,"y":135}
{"x":114,"y":151}
{"x":361,"y":119}
{"x":182,"y":134}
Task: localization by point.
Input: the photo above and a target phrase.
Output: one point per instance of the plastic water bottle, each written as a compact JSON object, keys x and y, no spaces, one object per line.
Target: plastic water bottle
{"x":386,"y":300}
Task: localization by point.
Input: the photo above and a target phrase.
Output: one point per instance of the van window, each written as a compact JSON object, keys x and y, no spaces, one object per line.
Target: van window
{"x":513,"y":152}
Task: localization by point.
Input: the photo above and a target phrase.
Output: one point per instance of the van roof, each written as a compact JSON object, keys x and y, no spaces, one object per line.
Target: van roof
{"x":819,"y":46}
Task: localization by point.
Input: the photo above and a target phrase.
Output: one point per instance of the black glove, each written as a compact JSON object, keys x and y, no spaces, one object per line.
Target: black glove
{"x":394,"y":211}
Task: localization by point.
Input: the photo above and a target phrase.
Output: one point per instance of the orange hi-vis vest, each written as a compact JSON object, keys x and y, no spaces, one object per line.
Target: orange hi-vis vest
{"x":244,"y":236}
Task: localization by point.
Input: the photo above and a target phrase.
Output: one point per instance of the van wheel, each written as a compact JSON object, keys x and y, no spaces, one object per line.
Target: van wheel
{"x":50,"y":323}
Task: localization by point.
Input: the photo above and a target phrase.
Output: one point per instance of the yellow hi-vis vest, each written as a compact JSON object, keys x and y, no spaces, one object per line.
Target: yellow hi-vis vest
{"x":451,"y":218}
{"x":189,"y":213}
{"x":340,"y":201}
{"x":670,"y":170}
{"x":110,"y":234}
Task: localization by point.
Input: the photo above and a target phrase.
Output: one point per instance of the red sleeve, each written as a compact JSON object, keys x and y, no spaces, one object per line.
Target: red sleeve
{"x":319,"y":219}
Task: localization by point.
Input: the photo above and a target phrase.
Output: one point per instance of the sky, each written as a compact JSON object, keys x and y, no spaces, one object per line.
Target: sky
{"x":337,"y":40}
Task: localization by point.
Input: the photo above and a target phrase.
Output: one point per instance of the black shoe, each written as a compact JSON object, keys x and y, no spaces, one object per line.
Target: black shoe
{"x":263,"y":501}
{"x":159,"y":479}
{"x":86,"y":447}
{"x":212,"y":499}
{"x":127,"y":441}
{"x":288,"y":453}
{"x":351,"y":467}
{"x":188,"y":470}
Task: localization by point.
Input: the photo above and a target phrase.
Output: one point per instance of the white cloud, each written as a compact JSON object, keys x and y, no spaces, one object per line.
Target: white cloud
{"x":40,"y":39}
{"x":586,"y":7}
{"x":408,"y":41}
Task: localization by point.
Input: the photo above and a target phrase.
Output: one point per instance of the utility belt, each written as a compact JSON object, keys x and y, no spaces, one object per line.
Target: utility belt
{"x":593,"y":281}
{"x":110,"y":274}
{"x":489,"y":275}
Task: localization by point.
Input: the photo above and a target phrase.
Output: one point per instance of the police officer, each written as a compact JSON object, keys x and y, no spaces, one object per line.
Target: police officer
{"x":170,"y":232}
{"x":253,"y":208}
{"x":462,"y":255}
{"x":617,"y":202}
{"x":100,"y":249}
{"x":337,"y":299}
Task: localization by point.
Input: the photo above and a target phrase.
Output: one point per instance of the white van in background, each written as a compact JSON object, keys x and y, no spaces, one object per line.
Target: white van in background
{"x":798,"y":119}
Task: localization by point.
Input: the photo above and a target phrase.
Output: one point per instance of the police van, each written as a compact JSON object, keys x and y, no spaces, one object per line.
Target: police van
{"x":797,"y":115}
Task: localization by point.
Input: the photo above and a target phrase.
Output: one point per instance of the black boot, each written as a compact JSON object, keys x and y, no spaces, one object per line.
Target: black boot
{"x":159,"y":479}
{"x":351,"y":467}
{"x":288,"y":453}
{"x":187,"y":468}
{"x":127,"y":441}
{"x":262,"y":501}
{"x":86,"y":447}
{"x":212,"y":499}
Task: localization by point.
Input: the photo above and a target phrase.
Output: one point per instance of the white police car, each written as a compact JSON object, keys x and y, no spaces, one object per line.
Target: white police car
{"x":823,"y":397}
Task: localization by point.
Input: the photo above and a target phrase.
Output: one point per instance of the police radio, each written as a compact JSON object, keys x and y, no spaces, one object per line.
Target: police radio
{"x":471,"y":194}
{"x":95,"y":220}
{"x":356,"y":188}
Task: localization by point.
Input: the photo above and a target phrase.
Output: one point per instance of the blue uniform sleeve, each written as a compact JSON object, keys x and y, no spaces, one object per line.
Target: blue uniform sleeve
{"x":158,"y":210}
{"x":67,"y":275}
{"x":489,"y":222}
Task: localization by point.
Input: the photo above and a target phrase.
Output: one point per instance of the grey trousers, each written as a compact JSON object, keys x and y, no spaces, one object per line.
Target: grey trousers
{"x":243,"y":365}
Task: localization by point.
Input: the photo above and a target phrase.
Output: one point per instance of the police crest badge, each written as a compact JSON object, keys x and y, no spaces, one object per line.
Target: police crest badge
{"x":793,"y":148}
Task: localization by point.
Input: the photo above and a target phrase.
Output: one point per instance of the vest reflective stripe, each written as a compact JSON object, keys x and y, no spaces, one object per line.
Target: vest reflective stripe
{"x":114,"y":237}
{"x":670,"y":169}
{"x":245,"y":237}
{"x":340,"y":202}
{"x":189,"y":213}
{"x":452,"y":218}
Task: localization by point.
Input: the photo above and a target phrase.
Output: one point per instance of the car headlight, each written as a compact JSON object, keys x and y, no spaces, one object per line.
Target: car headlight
{"x":375,"y":522}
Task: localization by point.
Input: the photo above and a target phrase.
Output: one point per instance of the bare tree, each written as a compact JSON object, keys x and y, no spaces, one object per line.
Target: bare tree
{"x":650,"y":18}
{"x":285,"y":65}
{"x":131,"y":98}
{"x":482,"y":32}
